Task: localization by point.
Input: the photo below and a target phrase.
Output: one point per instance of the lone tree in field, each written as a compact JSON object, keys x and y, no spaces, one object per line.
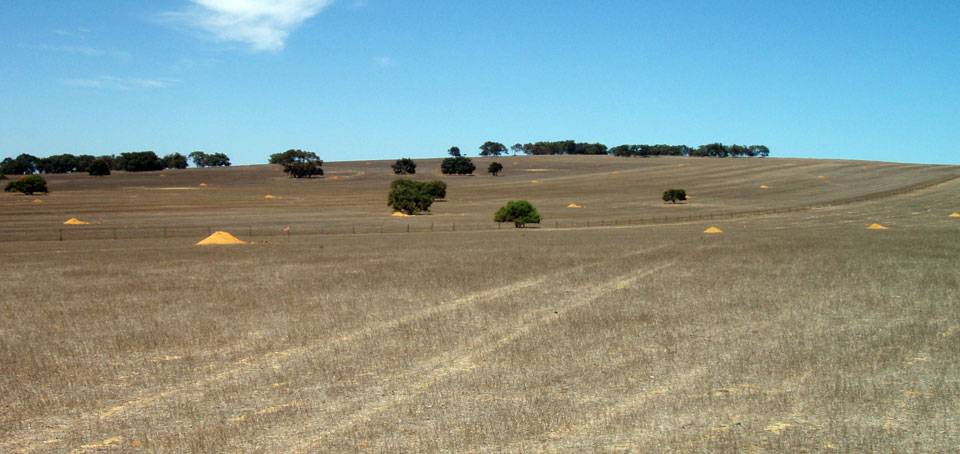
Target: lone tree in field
{"x":409,"y":196}
{"x":454,"y":151}
{"x":404,"y":166}
{"x":519,"y":212}
{"x":674,"y":195}
{"x":299,"y":163}
{"x":516,"y":148}
{"x":99,"y":168}
{"x":457,"y":166}
{"x":492,"y":149}
{"x":32,"y":184}
{"x":495,"y":168}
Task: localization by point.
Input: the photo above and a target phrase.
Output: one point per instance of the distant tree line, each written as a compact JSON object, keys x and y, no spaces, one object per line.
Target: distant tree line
{"x":570,"y":147}
{"x":136,"y":161}
{"x":713,"y":150}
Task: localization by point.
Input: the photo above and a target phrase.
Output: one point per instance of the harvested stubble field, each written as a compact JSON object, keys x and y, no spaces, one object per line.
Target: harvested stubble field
{"x":796,"y":331}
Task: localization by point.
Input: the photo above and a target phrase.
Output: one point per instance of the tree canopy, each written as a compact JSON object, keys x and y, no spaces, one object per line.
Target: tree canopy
{"x":175,"y":161}
{"x":412,"y":197}
{"x":203,"y":159}
{"x":519,"y":212}
{"x":492,"y":149}
{"x":674,"y":195}
{"x":299,"y":163}
{"x":457,"y":166}
{"x":454,"y":151}
{"x":139,"y":161}
{"x":404,"y":166}
{"x":495,"y":168}
{"x":30,"y":184}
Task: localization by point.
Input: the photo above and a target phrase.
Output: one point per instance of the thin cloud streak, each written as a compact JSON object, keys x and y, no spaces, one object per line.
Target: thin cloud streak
{"x":121,"y":83}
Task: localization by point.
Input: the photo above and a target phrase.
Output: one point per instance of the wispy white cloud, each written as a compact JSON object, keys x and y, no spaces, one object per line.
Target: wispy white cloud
{"x":264,"y":25}
{"x":87,"y":51}
{"x":121,"y":83}
{"x":75,"y":33}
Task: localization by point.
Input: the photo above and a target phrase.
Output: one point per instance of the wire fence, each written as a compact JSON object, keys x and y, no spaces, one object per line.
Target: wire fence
{"x":101,"y":232}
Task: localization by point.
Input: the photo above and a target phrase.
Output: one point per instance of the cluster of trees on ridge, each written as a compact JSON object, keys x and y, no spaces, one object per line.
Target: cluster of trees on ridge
{"x":570,"y":147}
{"x":137,"y":161}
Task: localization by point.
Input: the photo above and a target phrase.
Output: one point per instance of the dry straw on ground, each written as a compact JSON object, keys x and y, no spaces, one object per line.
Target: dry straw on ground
{"x":75,"y":221}
{"x":799,"y":332}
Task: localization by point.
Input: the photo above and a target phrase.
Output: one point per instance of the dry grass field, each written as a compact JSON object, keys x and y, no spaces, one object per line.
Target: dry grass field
{"x":794,"y":330}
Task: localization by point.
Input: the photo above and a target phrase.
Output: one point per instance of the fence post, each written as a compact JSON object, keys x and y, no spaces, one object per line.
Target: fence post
{"x":556,"y":224}
{"x":354,"y":230}
{"x":61,"y":234}
{"x":408,"y":228}
{"x":115,"y":233}
{"x":431,"y":226}
{"x":209,"y":231}
{"x":453,"y":227}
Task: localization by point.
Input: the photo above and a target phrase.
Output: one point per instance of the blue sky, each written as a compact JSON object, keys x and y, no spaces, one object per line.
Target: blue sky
{"x":378,"y":79}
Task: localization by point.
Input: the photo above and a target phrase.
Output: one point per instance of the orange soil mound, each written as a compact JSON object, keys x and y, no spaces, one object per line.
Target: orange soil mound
{"x":400,"y":214}
{"x":220,"y":238}
{"x":955,"y":214}
{"x":75,"y":221}
{"x":713,"y":230}
{"x":876,"y":227}
{"x":574,"y":205}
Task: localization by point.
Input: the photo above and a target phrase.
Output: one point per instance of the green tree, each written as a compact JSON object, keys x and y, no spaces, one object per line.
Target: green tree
{"x":31,"y":184}
{"x":58,"y":163}
{"x":409,"y":196}
{"x":139,"y":161}
{"x":299,"y":163}
{"x":24,"y":164}
{"x":99,"y":168}
{"x":199,"y":158}
{"x":454,"y":151}
{"x":175,"y":161}
{"x":83,"y":162}
{"x":492,"y":149}
{"x":519,"y":212}
{"x":457,"y":166}
{"x":217,"y":160}
{"x":436,"y":189}
{"x":404,"y":166}
{"x":517,"y":148}
{"x":674,"y":195}
{"x":495,"y":168}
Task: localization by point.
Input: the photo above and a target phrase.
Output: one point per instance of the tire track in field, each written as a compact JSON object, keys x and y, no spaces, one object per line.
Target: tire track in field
{"x":463,"y":360}
{"x":28,"y":440}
